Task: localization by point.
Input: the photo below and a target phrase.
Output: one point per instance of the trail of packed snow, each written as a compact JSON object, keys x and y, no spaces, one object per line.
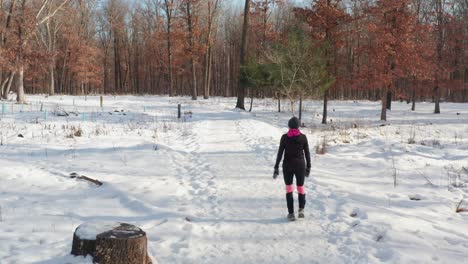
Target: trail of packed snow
{"x":201,"y":187}
{"x":242,"y":213}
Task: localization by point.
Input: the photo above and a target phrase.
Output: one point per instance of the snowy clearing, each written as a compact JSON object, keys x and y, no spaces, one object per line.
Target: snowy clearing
{"x":201,"y":186}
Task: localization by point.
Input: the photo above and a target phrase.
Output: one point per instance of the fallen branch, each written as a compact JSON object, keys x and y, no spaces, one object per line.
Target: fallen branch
{"x":460,"y":209}
{"x":61,"y":112}
{"x":75,"y":175}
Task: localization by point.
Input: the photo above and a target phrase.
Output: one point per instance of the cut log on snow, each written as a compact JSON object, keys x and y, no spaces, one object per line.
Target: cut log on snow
{"x":111,"y":243}
{"x":82,"y":177}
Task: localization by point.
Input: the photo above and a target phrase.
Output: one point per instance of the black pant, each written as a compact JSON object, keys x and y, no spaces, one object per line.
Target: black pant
{"x":288,"y":175}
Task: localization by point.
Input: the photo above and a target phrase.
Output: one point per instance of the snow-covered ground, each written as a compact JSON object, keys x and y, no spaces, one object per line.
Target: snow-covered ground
{"x":201,"y":187}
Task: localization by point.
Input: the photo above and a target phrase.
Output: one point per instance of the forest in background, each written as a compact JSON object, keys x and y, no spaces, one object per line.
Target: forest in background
{"x":412,"y":50}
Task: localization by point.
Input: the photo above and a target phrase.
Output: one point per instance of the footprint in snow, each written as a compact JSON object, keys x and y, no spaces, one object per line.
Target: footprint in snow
{"x":187,"y":227}
{"x":355,"y":223}
{"x":384,"y":254}
{"x":358,"y":213}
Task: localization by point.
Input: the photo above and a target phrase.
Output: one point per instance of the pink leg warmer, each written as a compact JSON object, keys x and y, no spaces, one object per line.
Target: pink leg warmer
{"x":301,"y":189}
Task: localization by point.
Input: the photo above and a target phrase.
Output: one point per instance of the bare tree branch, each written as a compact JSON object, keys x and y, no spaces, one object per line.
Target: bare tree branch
{"x":43,"y":5}
{"x":53,"y":13}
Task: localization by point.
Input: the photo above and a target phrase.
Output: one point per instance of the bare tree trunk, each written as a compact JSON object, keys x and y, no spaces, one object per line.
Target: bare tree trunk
{"x":136,"y":71}
{"x":192,"y":58}
{"x":327,"y":55}
{"x":20,"y":96}
{"x":325,"y":107}
{"x":251,"y":98}
{"x":117,"y":71}
{"x":105,"y":88}
{"x":7,"y":87}
{"x":194,"y":79}
{"x":8,"y":20}
{"x":279,"y":104}
{"x":51,"y":48}
{"x":300,"y":110}
{"x":440,"y":39}
{"x":51,"y":79}
{"x":208,"y":59}
{"x":383,"y":113}
{"x":1,"y":79}
{"x":245,"y":27}
{"x":2,"y":85}
{"x":437,"y":97}
{"x":228,"y":73}
{"x":4,"y":92}
{"x":208,"y":65}
{"x":389,"y":100}
{"x":168,"y":7}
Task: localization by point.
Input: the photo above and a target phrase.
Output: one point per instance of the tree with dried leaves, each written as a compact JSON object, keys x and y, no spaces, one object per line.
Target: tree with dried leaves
{"x":326,"y":19}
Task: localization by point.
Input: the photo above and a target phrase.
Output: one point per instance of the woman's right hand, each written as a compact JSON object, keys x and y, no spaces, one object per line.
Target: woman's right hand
{"x":275,"y":173}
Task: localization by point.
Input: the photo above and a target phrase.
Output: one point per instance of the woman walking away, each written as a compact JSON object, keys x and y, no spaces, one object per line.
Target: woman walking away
{"x":295,"y":146}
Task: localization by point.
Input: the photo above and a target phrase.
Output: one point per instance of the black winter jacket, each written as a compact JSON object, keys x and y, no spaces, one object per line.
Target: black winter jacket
{"x":294,"y":149}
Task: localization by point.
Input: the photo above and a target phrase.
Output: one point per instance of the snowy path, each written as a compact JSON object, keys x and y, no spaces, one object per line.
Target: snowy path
{"x":237,"y":208}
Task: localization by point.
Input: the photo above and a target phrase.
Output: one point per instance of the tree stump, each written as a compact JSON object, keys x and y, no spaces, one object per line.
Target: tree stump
{"x":114,"y":243}
{"x":83,"y":247}
{"x":125,"y":244}
{"x":84,"y":238}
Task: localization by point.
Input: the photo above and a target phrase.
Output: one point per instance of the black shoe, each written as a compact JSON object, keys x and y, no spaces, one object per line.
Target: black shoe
{"x":291,"y":217}
{"x":301,"y":213}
